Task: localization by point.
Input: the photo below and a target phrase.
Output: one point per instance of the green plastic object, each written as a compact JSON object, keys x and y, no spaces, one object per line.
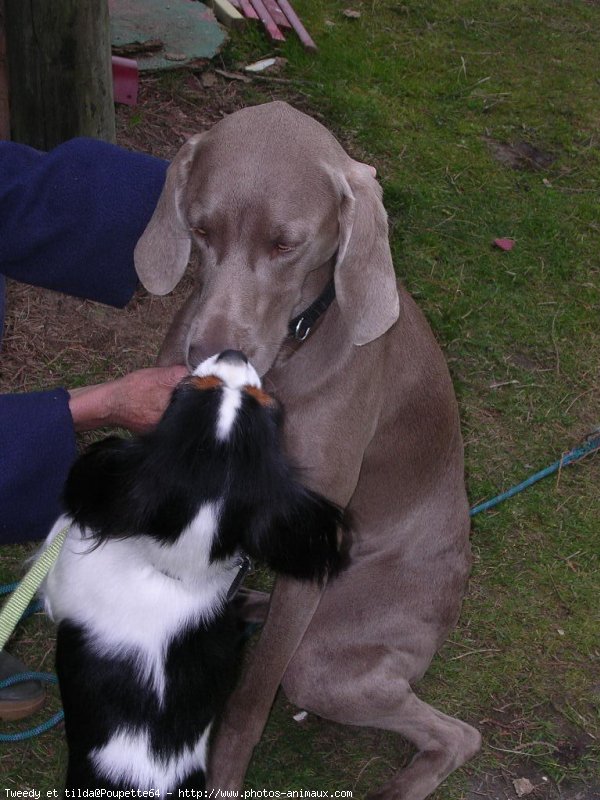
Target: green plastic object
{"x":176,"y":32}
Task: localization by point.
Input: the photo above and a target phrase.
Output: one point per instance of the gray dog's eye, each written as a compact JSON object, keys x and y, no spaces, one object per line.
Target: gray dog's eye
{"x":283,"y":248}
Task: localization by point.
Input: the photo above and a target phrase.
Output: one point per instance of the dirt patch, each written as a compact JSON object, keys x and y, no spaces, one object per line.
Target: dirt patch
{"x":530,"y":363}
{"x":522,"y":777}
{"x":520,"y":155}
{"x":53,"y":339}
{"x":171,"y":109}
{"x":501,"y":786}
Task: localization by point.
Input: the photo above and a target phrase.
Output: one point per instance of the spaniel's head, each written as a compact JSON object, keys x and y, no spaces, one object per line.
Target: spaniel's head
{"x":218,"y":442}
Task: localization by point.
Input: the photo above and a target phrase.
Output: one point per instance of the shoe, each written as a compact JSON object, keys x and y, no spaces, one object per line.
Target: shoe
{"x":22,"y":699}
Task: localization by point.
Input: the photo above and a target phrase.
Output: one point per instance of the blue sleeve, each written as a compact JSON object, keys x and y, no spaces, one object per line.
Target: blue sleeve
{"x":69,"y":221}
{"x":37,"y":447}
{"x":70,"y":218}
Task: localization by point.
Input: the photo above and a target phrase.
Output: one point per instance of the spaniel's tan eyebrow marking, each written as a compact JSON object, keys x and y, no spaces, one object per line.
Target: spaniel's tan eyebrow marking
{"x":205,"y":382}
{"x":262,"y":397}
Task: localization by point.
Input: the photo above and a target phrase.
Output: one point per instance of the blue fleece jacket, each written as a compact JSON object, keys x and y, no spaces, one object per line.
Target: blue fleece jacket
{"x":69,"y":221}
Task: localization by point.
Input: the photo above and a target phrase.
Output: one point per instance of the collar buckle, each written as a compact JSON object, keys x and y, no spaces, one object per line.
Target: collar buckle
{"x":301,"y":332}
{"x":300,"y":327}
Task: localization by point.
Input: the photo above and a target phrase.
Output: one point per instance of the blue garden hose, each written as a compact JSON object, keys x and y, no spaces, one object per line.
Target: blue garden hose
{"x":22,"y":736}
{"x":592,"y":445}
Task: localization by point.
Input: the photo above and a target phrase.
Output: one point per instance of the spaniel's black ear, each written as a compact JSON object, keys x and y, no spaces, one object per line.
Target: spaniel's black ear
{"x":126,"y":487}
{"x":98,"y":488}
{"x":298,"y":533}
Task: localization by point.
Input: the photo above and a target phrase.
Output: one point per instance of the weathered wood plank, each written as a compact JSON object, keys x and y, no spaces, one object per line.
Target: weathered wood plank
{"x":267,"y":21}
{"x":279,"y":17}
{"x":247,"y":9}
{"x":297,"y":25}
{"x":226,"y":13}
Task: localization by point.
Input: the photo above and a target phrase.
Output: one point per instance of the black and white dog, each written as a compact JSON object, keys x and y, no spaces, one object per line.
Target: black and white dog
{"x":146,"y":650}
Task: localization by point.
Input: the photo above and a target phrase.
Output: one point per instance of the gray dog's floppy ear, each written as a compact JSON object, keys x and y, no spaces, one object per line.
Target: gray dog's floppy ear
{"x":365,"y":283}
{"x":162,"y":253}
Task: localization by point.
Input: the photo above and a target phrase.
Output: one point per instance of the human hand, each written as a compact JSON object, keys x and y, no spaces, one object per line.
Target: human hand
{"x":136,"y":401}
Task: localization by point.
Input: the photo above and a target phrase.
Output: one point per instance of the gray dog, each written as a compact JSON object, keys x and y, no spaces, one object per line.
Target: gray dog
{"x":284,"y":219}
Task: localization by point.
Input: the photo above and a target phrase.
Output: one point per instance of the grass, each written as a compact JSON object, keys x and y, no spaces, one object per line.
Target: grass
{"x":427,"y":91}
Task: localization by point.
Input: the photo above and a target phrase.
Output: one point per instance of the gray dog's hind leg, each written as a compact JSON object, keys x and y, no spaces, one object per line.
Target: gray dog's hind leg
{"x":380,"y":698}
{"x":443,"y":744}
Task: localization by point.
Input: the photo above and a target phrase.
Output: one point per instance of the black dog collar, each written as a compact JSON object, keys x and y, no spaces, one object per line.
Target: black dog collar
{"x":244,"y":566}
{"x":299,"y":327}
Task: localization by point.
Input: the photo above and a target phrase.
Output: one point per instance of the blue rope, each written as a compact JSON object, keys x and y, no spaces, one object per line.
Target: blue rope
{"x":21,"y":677}
{"x":591,"y":446}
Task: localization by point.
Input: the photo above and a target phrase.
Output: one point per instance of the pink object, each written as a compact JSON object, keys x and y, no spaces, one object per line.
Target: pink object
{"x":303,"y":34}
{"x":279,"y":18}
{"x":125,"y":80}
{"x":247,"y":9}
{"x":268,"y":21}
{"x":504,"y":244}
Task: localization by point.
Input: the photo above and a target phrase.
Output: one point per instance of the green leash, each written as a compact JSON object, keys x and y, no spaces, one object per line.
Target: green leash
{"x":17,"y":603}
{"x":10,"y":615}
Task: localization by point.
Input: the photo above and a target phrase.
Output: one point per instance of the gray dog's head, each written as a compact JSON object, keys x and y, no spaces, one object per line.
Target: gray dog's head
{"x":276,"y":207}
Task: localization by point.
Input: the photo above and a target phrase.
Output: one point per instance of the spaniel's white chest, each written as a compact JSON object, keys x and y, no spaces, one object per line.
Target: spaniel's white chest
{"x":134,"y":596}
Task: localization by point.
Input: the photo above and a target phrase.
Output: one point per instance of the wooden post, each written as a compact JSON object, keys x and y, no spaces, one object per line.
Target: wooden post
{"x":60,"y":72}
{"x":4,"y":115}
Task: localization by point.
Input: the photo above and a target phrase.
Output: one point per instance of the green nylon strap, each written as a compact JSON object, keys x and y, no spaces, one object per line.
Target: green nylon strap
{"x":19,"y":600}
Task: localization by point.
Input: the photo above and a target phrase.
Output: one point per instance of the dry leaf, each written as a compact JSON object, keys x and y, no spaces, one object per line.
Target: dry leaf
{"x":351,"y":13}
{"x":266,"y":63}
{"x":523,"y":786}
{"x":208,"y":79}
{"x":259,"y":66}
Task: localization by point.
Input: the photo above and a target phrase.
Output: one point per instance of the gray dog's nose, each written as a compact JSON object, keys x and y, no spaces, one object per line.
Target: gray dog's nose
{"x":233,"y":356}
